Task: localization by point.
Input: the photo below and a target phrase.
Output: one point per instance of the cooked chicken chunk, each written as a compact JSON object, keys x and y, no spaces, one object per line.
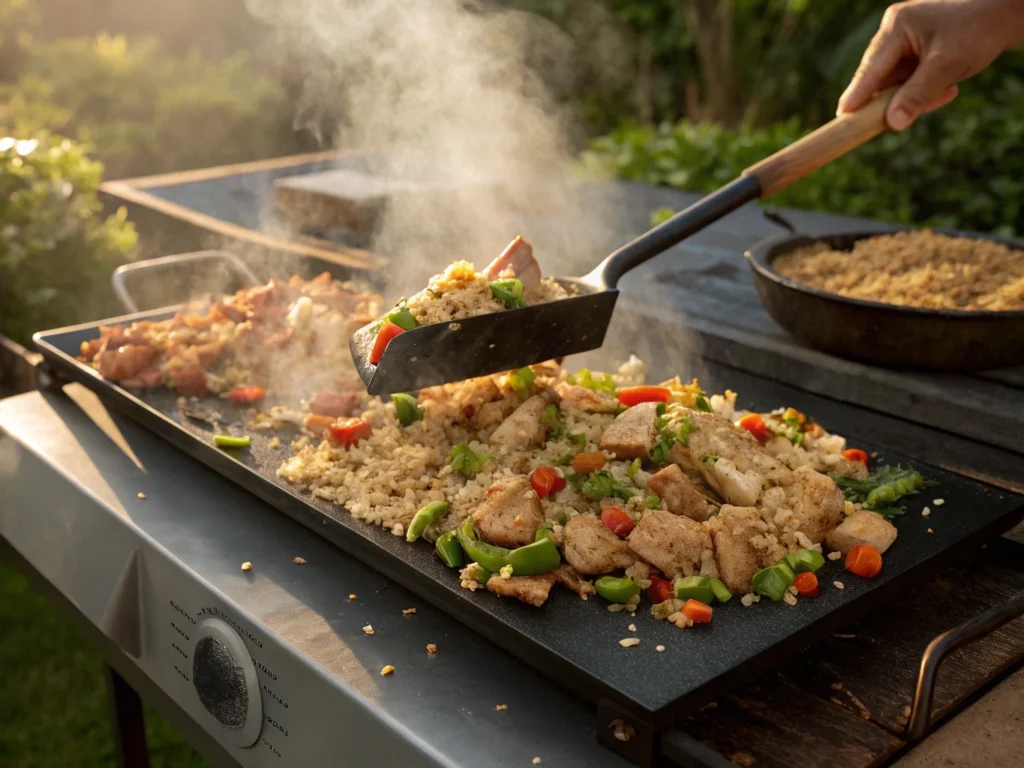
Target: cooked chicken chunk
{"x":334,"y":404}
{"x":524,"y":427}
{"x":592,"y":549}
{"x":578,"y":398}
{"x":679,"y":493}
{"x":817,"y":503}
{"x":495,"y":412}
{"x":567,"y":576}
{"x":681,"y":456}
{"x":632,"y":434}
{"x":747,"y":468}
{"x":517,"y":256}
{"x":530,"y":589}
{"x":738,"y":560}
{"x":125,"y":361}
{"x":671,"y":543}
{"x":510,"y":512}
{"x":847,"y":468}
{"x":863,"y":527}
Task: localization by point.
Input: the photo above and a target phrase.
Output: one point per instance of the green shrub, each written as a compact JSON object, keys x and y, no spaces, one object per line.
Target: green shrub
{"x":145,"y":112}
{"x":56,"y":249}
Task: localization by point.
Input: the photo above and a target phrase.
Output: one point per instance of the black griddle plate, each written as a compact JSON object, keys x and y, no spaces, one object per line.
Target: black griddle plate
{"x":576,"y":642}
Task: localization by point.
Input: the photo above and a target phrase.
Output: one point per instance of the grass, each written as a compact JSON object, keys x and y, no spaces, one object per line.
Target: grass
{"x":53,"y":696}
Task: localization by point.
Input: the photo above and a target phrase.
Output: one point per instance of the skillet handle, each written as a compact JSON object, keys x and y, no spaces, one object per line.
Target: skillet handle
{"x":163,"y":268}
{"x":821,"y":147}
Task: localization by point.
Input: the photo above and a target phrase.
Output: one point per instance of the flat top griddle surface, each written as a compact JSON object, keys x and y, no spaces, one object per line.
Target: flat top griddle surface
{"x":573,"y":641}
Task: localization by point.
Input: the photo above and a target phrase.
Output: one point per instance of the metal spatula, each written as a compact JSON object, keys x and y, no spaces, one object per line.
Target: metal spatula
{"x":500,"y":341}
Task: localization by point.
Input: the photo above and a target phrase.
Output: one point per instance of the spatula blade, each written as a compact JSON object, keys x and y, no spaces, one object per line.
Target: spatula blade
{"x":477,"y":346}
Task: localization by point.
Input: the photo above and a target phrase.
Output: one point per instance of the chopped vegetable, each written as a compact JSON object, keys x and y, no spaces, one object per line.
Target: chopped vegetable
{"x":660,"y":589}
{"x":449,"y":550}
{"x":348,"y":432}
{"x":634,"y":467}
{"x":579,"y":442}
{"x":630,"y":396}
{"x":402,"y":317}
{"x":616,"y":590}
{"x":492,"y":558}
{"x":509,"y":293}
{"x":425,"y":517}
{"x":246,"y":395}
{"x":722,"y":593}
{"x":864,"y":560}
{"x":702,"y":404}
{"x":522,"y":381}
{"x":696,"y":587}
{"x":709,"y":459}
{"x":406,"y":408}
{"x":534,"y":559}
{"x":883,"y":488}
{"x":804,"y":560}
{"x":806,"y":584}
{"x":585,"y":463}
{"x":584,"y":378}
{"x":755,"y":425}
{"x":467,"y":461}
{"x":856,"y":454}
{"x":697,"y":611}
{"x":552,"y":419}
{"x":544,"y":531}
{"x":773,"y":581}
{"x":652,"y":500}
{"x":546,"y":480}
{"x":668,"y":437}
{"x":617,"y":521}
{"x":230,"y":441}
{"x":387,"y":332}
{"x":601,"y":485}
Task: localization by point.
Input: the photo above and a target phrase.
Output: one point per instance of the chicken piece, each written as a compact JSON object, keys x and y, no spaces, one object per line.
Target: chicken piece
{"x":126,"y":361}
{"x":679,"y":493}
{"x":671,"y":543}
{"x":817,"y":503}
{"x":510,"y":513}
{"x":632,"y":434}
{"x":517,"y":256}
{"x":681,"y":456}
{"x":567,"y":576}
{"x":738,"y":559}
{"x":592,"y":549}
{"x":576,"y":398}
{"x":863,"y":527}
{"x":530,"y":589}
{"x":524,"y":427}
{"x":854,"y":470}
{"x":748,"y":468}
{"x":489,"y":414}
{"x":334,"y":404}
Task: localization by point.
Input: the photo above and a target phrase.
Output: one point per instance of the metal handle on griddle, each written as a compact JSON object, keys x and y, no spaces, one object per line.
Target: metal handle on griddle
{"x":940,"y":647}
{"x":240,"y":268}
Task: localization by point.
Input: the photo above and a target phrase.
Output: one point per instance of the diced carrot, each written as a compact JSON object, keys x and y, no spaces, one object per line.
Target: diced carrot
{"x":660,"y":589}
{"x":755,"y":425}
{"x":348,"y":432}
{"x":864,"y":560}
{"x":697,"y":612}
{"x":617,"y":521}
{"x":545,"y":481}
{"x":856,"y":454}
{"x":585,"y":463}
{"x":246,"y":395}
{"x":630,"y":396}
{"x":806,"y":584}
{"x":387,"y":332}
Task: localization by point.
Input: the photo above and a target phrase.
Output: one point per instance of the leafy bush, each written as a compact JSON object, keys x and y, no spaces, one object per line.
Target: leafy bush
{"x":145,"y":112}
{"x":56,"y":249}
{"x":960,"y":167}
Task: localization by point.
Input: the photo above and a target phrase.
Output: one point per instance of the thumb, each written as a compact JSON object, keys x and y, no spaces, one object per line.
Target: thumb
{"x":925,"y":88}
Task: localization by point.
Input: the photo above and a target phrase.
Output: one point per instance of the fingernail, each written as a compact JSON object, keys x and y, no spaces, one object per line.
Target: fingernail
{"x":899,"y":119}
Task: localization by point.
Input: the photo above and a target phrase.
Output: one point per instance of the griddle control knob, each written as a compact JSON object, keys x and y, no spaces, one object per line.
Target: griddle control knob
{"x":225,"y":680}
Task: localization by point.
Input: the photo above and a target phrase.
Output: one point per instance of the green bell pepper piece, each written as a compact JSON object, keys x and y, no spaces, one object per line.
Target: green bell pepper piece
{"x":773,"y":581}
{"x":616,"y":590}
{"x":721,"y":592}
{"x":489,"y":556}
{"x":694,"y":588}
{"x":406,"y":408}
{"x":425,"y":517}
{"x":449,"y":550}
{"x":229,"y":441}
{"x":804,"y":560}
{"x":508,"y":292}
{"x":402,"y":317}
{"x":534,"y":559}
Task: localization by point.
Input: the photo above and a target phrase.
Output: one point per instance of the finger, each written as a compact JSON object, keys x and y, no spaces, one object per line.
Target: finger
{"x":881,"y":59}
{"x":928,"y":85}
{"x":947,"y":96}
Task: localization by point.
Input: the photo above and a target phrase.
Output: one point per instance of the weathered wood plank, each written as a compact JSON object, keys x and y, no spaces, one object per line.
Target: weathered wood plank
{"x":772,"y":723}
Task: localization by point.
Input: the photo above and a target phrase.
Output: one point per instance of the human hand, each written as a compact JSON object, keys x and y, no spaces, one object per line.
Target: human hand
{"x":930,"y":46}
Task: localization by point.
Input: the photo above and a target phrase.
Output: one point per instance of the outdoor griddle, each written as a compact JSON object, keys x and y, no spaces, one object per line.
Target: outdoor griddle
{"x":272,"y":667}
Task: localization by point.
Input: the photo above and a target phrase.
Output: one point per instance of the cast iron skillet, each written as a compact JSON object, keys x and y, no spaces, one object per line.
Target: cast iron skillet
{"x":907,"y":337}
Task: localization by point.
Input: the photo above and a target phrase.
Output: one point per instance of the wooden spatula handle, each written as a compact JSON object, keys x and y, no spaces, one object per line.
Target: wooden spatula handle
{"x":821,"y":147}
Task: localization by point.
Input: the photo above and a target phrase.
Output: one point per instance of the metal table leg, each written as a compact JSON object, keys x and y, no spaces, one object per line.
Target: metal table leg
{"x":128,"y":721}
